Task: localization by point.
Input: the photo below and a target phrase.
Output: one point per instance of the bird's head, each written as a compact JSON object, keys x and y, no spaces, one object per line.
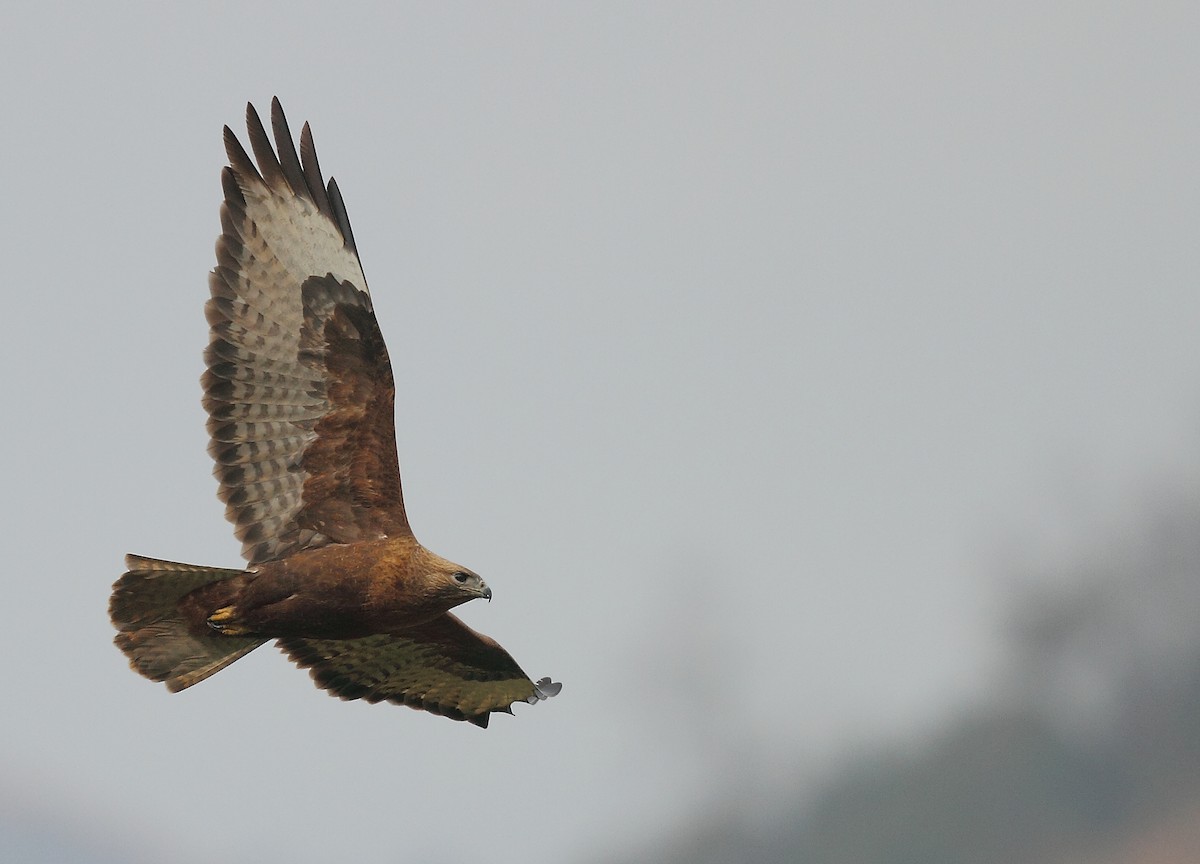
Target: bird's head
{"x":451,"y":583}
{"x":469,"y":583}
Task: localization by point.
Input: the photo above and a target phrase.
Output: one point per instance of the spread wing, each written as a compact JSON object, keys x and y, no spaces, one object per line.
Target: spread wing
{"x":443,"y":667}
{"x":299,"y":388}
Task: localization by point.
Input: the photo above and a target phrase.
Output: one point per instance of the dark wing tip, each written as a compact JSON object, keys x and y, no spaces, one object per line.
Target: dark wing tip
{"x":339,"y":214}
{"x":289,"y":161}
{"x":288,"y":170}
{"x":239,"y":160}
{"x":268,"y":162}
{"x":312,"y":172}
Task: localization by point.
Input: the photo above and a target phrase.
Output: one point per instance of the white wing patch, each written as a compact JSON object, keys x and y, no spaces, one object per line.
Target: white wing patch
{"x":304,"y":242}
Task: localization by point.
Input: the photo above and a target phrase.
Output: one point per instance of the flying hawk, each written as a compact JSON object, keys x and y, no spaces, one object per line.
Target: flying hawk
{"x":300,"y":398}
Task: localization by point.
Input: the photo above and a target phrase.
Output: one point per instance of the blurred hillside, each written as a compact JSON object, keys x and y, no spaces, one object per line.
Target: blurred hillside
{"x":1088,"y":750}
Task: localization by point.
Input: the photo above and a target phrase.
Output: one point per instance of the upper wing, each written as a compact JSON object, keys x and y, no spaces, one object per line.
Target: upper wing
{"x":299,"y":387}
{"x":443,"y":667}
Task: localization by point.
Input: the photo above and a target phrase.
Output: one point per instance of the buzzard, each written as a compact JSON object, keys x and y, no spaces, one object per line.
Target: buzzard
{"x":300,"y":399}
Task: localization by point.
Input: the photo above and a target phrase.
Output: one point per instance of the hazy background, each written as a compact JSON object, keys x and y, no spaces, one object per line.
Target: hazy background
{"x":771,"y":362}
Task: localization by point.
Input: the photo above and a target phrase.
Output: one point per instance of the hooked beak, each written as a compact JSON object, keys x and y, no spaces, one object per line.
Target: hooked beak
{"x":485,"y":591}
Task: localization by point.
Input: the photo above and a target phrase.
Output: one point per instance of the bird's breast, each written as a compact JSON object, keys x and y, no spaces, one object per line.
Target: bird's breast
{"x":342,"y":591}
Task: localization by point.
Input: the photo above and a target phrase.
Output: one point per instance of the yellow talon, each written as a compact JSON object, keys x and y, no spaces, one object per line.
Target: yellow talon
{"x":217,"y":621}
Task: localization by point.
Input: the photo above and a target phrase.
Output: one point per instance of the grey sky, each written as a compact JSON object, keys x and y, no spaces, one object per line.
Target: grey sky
{"x":733,"y":346}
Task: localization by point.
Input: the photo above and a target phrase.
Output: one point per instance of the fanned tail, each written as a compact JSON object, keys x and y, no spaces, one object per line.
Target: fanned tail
{"x":157,"y":635}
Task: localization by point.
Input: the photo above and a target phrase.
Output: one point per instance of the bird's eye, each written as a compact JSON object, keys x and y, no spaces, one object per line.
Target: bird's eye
{"x":461,"y":578}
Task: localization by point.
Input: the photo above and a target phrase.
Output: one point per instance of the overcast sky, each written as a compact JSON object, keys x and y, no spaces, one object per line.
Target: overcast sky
{"x":739,"y":348}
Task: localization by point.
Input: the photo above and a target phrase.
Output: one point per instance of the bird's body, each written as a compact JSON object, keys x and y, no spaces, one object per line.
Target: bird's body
{"x":301,"y":401}
{"x":341,"y":591}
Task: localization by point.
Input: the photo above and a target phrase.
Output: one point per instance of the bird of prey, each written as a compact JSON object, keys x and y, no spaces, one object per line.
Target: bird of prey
{"x":300,"y":399}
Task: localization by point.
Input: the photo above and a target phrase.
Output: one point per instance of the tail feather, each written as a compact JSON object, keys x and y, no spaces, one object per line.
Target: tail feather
{"x":156,"y":634}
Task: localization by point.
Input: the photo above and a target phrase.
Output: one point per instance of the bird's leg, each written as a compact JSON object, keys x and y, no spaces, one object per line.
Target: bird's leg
{"x":221,"y":620}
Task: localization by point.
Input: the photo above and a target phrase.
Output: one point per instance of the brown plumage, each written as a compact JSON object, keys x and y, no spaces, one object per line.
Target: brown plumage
{"x":300,"y":399}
